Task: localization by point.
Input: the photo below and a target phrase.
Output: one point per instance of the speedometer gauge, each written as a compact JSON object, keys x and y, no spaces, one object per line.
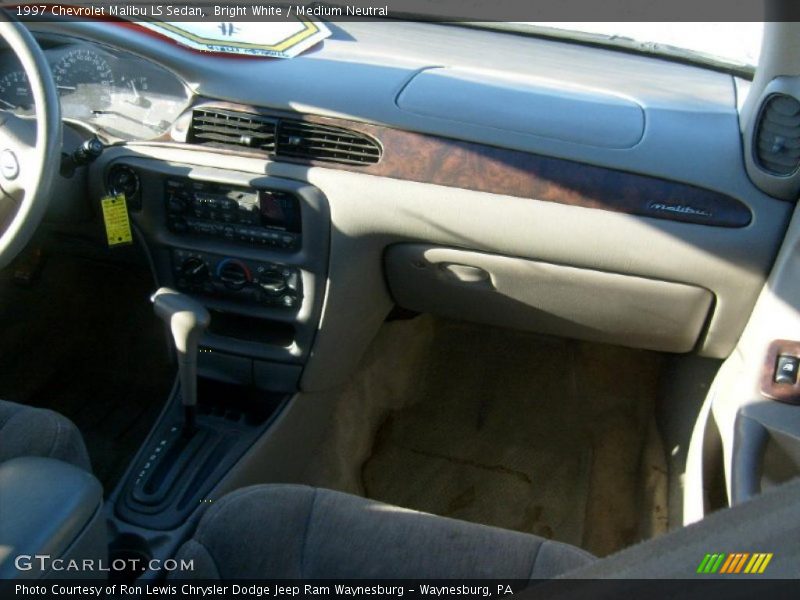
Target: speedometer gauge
{"x":84,"y":80}
{"x":103,"y":89}
{"x":15,"y":92}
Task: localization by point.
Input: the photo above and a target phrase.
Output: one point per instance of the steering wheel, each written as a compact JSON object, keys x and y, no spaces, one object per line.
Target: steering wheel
{"x":30,"y":150}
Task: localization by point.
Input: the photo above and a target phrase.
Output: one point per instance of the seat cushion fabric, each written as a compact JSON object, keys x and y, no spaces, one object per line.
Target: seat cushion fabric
{"x":289,"y":531}
{"x":28,"y":431}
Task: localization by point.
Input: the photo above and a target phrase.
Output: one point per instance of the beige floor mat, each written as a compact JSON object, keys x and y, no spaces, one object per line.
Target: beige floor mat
{"x":492,"y":438}
{"x":530,"y":433}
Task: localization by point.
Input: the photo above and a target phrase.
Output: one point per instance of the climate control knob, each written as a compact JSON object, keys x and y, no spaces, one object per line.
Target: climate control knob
{"x":194,"y":270}
{"x":233,"y":274}
{"x":273,"y":283}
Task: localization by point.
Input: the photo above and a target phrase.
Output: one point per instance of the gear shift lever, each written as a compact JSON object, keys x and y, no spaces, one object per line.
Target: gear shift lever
{"x":187,"y":320}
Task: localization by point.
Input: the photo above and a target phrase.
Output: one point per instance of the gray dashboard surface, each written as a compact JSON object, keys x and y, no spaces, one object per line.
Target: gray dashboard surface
{"x":359,"y":72}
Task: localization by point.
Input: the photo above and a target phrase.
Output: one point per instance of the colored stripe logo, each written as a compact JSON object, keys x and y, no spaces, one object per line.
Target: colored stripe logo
{"x":735,"y":563}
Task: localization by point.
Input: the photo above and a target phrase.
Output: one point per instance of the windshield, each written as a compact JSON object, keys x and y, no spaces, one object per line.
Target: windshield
{"x":736,"y":44}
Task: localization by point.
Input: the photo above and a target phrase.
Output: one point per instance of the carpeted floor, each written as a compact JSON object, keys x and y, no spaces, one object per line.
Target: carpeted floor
{"x":84,"y":342}
{"x":536,"y":434}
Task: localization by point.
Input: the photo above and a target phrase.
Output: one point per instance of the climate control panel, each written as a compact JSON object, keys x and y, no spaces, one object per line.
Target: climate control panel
{"x":255,"y":282}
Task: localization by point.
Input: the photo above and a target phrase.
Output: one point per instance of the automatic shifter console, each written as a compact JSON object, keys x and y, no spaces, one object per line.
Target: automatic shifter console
{"x":197,"y":440}
{"x":187,"y":320}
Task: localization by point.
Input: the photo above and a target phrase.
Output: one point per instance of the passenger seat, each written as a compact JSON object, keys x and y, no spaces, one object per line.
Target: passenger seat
{"x":297,"y":532}
{"x":292,"y":532}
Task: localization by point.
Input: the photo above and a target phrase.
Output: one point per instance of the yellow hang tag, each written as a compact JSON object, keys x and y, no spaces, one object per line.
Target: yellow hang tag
{"x":115,"y":217}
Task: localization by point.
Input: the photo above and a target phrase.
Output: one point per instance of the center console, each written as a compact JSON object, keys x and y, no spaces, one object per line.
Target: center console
{"x":265,"y":218}
{"x":253,"y":249}
{"x":249,"y":253}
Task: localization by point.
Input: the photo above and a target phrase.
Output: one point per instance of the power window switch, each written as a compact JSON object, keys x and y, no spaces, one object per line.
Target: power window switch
{"x":786,"y":371}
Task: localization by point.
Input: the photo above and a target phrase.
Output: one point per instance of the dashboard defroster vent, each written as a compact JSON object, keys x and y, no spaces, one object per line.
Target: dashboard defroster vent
{"x":777,"y":135}
{"x":229,"y":128}
{"x":315,"y":141}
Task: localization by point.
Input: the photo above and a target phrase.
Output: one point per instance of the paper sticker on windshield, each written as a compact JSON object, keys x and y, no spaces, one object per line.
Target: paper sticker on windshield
{"x":115,"y":218}
{"x":278,"y":39}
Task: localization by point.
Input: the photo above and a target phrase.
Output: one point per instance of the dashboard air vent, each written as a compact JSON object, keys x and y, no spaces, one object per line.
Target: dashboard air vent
{"x":229,"y":128}
{"x":314,"y":141}
{"x":777,"y":135}
{"x":289,"y":138}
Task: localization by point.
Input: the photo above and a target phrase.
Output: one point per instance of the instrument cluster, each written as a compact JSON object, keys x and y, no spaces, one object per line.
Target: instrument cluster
{"x":107,"y":89}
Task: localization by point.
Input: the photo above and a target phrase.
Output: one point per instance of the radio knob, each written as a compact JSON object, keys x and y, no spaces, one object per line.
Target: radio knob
{"x":233,"y":274}
{"x":194,"y":270}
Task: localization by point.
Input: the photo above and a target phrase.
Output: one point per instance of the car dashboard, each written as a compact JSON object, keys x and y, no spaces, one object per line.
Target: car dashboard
{"x":523,"y":183}
{"x":301,"y":199}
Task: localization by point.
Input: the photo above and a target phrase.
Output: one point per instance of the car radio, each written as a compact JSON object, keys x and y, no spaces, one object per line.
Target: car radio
{"x":261,"y":217}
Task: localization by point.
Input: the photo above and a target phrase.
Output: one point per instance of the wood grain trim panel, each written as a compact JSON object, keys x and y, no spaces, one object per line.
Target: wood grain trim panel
{"x":442,"y":161}
{"x":782,"y":392}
